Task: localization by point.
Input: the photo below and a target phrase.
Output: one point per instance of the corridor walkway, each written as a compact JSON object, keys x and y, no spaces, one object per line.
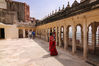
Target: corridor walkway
{"x":28,"y":52}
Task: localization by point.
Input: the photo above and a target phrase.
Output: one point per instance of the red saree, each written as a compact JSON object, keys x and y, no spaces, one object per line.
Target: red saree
{"x":52,"y":47}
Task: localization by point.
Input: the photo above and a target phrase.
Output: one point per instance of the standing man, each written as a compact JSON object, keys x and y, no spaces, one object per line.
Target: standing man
{"x":33,"y":33}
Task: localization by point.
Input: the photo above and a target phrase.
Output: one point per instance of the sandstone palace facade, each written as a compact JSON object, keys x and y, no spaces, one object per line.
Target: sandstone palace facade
{"x":14,"y":19}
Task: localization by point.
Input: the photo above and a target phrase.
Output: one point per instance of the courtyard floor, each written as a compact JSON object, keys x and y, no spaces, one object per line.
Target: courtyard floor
{"x":28,"y":52}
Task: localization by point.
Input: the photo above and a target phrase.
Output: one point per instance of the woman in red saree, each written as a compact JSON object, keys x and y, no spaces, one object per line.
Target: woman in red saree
{"x":52,"y":46}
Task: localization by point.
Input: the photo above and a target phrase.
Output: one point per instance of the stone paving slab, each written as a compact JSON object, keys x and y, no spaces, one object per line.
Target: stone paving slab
{"x":28,"y":52}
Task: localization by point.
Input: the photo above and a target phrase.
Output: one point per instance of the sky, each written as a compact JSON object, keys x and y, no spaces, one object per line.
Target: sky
{"x":39,"y":9}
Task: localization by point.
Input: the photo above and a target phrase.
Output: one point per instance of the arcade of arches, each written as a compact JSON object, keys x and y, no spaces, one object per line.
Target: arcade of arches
{"x":79,"y":34}
{"x":23,"y":31}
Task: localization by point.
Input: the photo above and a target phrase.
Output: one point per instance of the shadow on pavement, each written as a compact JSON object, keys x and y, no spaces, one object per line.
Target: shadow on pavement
{"x":46,"y":56}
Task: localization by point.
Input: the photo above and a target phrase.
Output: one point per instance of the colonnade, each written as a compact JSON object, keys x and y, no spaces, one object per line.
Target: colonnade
{"x":23,"y":32}
{"x":64,"y":40}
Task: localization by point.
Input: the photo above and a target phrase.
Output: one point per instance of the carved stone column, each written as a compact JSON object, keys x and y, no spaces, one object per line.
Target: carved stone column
{"x":65,"y":38}
{"x":82,"y":38}
{"x":46,"y":34}
{"x":85,"y":43}
{"x":36,"y":34}
{"x":56,"y":36}
{"x":73,"y":40}
{"x":23,"y":33}
{"x":40,"y":33}
{"x":59,"y":36}
{"x":49,"y":32}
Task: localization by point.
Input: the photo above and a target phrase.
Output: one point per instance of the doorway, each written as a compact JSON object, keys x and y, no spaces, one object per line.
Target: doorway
{"x":2,"y":33}
{"x":20,"y":33}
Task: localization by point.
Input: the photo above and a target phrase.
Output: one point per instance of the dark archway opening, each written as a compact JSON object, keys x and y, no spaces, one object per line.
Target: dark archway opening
{"x":48,"y":34}
{"x":58,"y":36}
{"x":2,"y":33}
{"x":54,"y":33}
{"x":97,"y":42}
{"x":26,"y":33}
{"x":93,"y":43}
{"x":62,"y":37}
{"x":50,"y":30}
{"x":69,"y":33}
{"x":79,"y":40}
{"x":20,"y":33}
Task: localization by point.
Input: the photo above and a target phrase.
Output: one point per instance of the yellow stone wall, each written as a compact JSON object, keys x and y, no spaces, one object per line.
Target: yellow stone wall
{"x":11,"y":31}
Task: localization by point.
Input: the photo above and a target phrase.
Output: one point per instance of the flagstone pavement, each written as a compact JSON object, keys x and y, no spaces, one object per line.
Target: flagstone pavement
{"x":28,"y":52}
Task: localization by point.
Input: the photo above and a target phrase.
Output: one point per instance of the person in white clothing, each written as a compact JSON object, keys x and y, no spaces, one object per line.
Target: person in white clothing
{"x":30,"y":34}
